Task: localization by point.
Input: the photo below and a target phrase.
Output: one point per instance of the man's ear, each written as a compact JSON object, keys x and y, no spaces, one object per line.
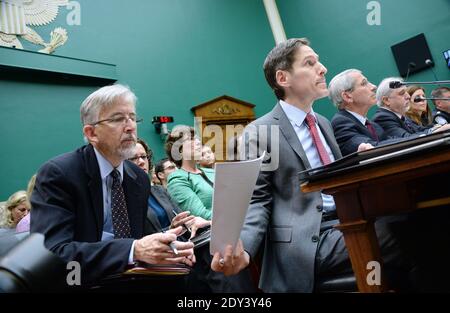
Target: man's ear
{"x":282,"y":78}
{"x":346,"y":96}
{"x":385,"y":101}
{"x":160,"y":175}
{"x":89,"y":133}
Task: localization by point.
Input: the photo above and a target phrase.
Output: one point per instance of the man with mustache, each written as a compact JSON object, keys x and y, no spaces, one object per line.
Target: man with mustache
{"x":91,"y":203}
{"x":354,"y":95}
{"x":393,"y":104}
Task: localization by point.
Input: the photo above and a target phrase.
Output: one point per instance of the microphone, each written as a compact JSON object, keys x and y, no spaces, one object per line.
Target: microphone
{"x":410,"y":66}
{"x":421,"y":99}
{"x":397,"y":84}
{"x":430,"y":64}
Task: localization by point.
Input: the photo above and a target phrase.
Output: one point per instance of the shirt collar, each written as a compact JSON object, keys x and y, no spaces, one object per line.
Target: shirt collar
{"x":360,"y":118}
{"x":294,"y":114}
{"x":106,"y":167}
{"x":399,"y":115}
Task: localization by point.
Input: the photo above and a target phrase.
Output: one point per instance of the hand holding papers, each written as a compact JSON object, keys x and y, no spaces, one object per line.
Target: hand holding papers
{"x":233,"y":188}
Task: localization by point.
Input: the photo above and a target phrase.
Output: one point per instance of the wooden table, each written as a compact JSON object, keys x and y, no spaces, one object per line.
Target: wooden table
{"x":391,"y":186}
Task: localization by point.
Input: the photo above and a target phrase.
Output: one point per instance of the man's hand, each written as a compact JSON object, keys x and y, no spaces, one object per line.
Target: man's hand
{"x":364,"y":146}
{"x":155,"y":249}
{"x":442,"y":128}
{"x":231,"y":263}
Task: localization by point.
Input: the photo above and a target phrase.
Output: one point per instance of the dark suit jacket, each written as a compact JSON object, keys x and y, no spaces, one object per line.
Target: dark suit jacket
{"x":68,"y":209}
{"x":395,"y":127}
{"x":161,"y":195}
{"x":350,"y":133}
{"x":283,"y":217}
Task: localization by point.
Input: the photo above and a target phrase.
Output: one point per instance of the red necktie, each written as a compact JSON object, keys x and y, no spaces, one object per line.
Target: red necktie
{"x":323,"y":154}
{"x":372,"y":130}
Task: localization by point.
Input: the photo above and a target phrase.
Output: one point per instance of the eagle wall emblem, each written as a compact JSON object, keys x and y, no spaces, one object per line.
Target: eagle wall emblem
{"x":17,"y":15}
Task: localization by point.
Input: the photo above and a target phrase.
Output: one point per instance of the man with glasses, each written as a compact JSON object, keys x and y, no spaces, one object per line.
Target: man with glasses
{"x":441,"y":100}
{"x":354,"y":95}
{"x":163,"y":169}
{"x":91,"y":204}
{"x":393,"y":104}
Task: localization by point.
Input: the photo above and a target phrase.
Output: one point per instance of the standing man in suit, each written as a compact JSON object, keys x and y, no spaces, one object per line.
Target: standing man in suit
{"x":354,"y":95}
{"x":91,"y":204}
{"x":293,"y":228}
{"x":393,"y":104}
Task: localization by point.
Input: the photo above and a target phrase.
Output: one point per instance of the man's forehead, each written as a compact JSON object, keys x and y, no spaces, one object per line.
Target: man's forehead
{"x":306,"y":51}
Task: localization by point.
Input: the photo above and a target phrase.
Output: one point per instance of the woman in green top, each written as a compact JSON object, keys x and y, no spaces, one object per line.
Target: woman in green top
{"x":189,"y":186}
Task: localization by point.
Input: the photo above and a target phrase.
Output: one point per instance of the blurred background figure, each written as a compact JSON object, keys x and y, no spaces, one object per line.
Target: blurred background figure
{"x":163,"y":169}
{"x":208,"y":158}
{"x":442,"y":114}
{"x":17,"y":206}
{"x":189,"y":186}
{"x":419,"y":111}
{"x":24,"y":223}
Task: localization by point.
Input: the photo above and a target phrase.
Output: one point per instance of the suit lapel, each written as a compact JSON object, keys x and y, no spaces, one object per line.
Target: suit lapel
{"x":289,"y":133}
{"x":95,"y":187}
{"x":357,"y":122}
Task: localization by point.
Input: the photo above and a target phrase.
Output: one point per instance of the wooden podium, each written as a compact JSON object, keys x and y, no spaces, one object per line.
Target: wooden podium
{"x":410,"y":175}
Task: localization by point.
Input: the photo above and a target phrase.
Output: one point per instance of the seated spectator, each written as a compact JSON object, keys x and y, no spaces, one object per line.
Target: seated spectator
{"x":163,"y":169}
{"x":208,"y":158}
{"x":354,"y":95}
{"x":189,"y":186}
{"x":91,"y":203}
{"x":393,"y":104}
{"x":24,"y":224}
{"x":418,"y":112}
{"x":17,"y":206}
{"x":440,"y":97}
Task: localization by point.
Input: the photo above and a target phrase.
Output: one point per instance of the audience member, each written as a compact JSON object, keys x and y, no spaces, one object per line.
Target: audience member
{"x":441,"y":100}
{"x":418,"y":111}
{"x":91,"y":203}
{"x":189,"y":186}
{"x":208,"y":158}
{"x":163,"y":169}
{"x":354,"y":95}
{"x":393,"y":104}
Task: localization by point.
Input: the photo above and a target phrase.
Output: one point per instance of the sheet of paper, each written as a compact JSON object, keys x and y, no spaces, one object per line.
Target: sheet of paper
{"x":233,"y":188}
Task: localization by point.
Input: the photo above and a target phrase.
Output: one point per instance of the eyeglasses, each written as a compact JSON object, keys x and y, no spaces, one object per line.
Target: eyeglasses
{"x":119,"y":120}
{"x":170,"y":167}
{"x":137,"y":157}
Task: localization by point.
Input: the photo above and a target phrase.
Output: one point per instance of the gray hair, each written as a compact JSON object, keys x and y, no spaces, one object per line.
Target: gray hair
{"x":104,"y":97}
{"x":341,"y":82}
{"x":384,"y":90}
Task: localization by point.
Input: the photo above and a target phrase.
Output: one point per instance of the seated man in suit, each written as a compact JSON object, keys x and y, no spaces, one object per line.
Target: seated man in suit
{"x":442,"y":114}
{"x":354,"y":95}
{"x":294,"y":230}
{"x":393,"y":104}
{"x":91,"y":203}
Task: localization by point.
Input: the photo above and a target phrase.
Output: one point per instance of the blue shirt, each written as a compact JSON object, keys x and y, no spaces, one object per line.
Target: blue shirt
{"x":159,"y":211}
{"x":105,"y":170}
{"x":297,"y":119}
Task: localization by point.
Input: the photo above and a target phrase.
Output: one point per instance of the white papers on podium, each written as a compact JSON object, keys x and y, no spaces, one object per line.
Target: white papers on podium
{"x":233,"y":188}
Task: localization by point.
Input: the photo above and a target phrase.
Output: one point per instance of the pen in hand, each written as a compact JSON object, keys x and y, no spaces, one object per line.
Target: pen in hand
{"x":174,"y":249}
